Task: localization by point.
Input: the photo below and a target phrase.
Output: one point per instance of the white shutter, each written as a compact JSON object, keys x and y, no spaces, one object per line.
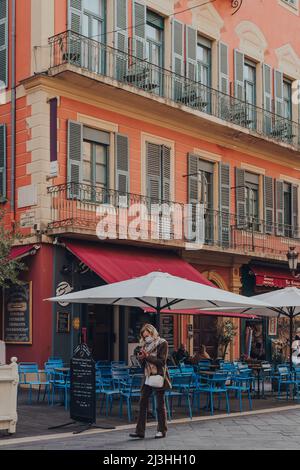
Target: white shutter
{"x":139,"y":29}
{"x":239,"y":91}
{"x":191,"y":52}
{"x":267,"y":98}
{"x":223,"y":68}
{"x":121,"y":38}
{"x":278,"y":92}
{"x":75,"y":152}
{"x":3,"y":44}
{"x":177,"y":58}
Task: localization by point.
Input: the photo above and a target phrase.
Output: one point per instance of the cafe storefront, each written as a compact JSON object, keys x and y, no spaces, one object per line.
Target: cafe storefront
{"x":260,"y":336}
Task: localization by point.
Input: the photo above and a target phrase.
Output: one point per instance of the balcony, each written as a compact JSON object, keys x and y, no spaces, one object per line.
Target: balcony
{"x":77,"y":209}
{"x":86,"y":55}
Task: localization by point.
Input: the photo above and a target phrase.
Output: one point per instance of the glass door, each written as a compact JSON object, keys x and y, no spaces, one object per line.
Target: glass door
{"x":154,"y":55}
{"x":250,"y":94}
{"x":93,"y":27}
{"x":204,"y":73}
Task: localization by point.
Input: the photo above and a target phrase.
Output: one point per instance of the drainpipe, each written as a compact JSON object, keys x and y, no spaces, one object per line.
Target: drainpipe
{"x":13,"y":110}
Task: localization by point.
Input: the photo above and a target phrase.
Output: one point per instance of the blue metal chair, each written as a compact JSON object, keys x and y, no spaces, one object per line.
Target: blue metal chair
{"x":181,"y":388}
{"x":284,"y":376}
{"x":242,"y":383}
{"x":25,"y":369}
{"x":213,"y":386}
{"x":61,"y":384}
{"x":128,"y":394}
{"x":56,"y":360}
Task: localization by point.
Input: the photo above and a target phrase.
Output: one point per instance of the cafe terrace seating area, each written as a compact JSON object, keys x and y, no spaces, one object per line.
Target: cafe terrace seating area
{"x":206,"y":388}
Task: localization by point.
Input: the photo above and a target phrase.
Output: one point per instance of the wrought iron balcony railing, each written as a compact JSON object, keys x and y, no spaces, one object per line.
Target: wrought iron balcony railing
{"x":93,"y":56}
{"x":82,"y":206}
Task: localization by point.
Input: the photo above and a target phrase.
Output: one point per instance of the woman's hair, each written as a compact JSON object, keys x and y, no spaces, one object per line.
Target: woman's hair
{"x":151,"y":330}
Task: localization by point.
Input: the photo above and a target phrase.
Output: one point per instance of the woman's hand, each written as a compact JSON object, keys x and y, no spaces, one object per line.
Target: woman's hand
{"x":143,"y":354}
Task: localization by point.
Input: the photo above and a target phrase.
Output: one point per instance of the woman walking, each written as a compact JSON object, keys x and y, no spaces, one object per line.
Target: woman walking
{"x":153,"y":357}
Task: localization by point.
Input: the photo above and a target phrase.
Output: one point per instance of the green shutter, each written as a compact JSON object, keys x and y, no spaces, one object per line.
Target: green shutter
{"x":278,"y":92}
{"x":239,"y":60}
{"x":269,"y":204}
{"x":121,"y":38}
{"x":139,"y":29}
{"x":191,"y":52}
{"x":166,"y":173}
{"x":267,"y":98}
{"x":193,"y":190}
{"x":75,"y":15}
{"x":3,"y":44}
{"x":240,"y":197}
{"x":177,"y":58}
{"x":223,"y":68}
{"x":3,"y":158}
{"x":122,"y":163}
{"x":295,"y":195}
{"x":75,"y":152}
{"x":154,"y":176}
{"x":224,"y":203}
{"x":279,"y":208}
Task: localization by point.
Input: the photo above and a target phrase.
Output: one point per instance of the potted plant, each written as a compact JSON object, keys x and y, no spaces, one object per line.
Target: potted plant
{"x":226,"y":334}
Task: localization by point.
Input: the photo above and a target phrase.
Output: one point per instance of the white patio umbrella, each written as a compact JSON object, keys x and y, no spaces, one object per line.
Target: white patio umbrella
{"x":159,"y":291}
{"x":284,"y":302}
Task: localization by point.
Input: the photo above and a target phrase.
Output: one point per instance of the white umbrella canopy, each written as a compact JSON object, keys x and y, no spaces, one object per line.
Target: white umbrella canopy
{"x":283,"y":302}
{"x":160,"y":291}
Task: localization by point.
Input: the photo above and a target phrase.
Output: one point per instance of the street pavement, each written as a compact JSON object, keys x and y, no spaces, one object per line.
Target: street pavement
{"x":267,"y":431}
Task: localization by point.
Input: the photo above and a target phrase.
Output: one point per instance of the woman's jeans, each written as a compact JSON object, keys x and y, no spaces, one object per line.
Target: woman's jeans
{"x":161,"y":410}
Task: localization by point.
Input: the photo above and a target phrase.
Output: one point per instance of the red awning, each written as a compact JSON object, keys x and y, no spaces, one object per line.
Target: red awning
{"x":18,"y":252}
{"x":114,"y":263}
{"x":276,"y":278}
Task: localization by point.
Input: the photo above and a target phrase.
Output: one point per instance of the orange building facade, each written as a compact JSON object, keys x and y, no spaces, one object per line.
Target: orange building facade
{"x":122,"y":102}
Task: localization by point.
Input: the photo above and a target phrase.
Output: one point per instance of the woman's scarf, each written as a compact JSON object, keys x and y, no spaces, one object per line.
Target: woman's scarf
{"x":151,"y":348}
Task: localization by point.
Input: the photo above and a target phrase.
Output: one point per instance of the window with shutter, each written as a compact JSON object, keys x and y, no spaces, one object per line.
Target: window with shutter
{"x":122,"y":164}
{"x":279,"y":207}
{"x":267,"y":98}
{"x":3,"y":44}
{"x":295,"y":211}
{"x":240,"y":197}
{"x":139,"y":29}
{"x":121,"y":38}
{"x":239,"y":90}
{"x":158,"y":172}
{"x":3,"y":157}
{"x":224,"y":203}
{"x":224,"y":103}
{"x":269,"y":204}
{"x":177,"y":59}
{"x":278,"y":91}
{"x":191,"y":52}
{"x":75,"y":152}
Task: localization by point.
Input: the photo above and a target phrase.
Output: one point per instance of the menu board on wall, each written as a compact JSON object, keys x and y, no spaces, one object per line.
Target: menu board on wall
{"x":17,"y":317}
{"x":167,"y":329}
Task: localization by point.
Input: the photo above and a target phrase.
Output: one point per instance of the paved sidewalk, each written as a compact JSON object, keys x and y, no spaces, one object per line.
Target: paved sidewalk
{"x":275,"y":430}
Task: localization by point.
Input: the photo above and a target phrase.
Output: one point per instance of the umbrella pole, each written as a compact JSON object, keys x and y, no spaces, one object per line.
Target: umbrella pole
{"x":158,"y":310}
{"x":291,"y":338}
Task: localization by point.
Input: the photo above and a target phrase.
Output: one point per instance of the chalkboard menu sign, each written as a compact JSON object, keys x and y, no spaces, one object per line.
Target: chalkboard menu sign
{"x":167,"y":329}
{"x":17,"y":318}
{"x":83,"y":386}
{"x":63,"y":322}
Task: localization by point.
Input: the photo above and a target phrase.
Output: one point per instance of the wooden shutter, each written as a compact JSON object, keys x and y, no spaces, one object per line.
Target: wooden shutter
{"x":193,"y":178}
{"x":121,"y":38}
{"x":139,"y":29}
{"x":295,"y":231}
{"x":191,"y":52}
{"x":3,"y":44}
{"x":122,"y":163}
{"x":240,"y":197}
{"x":177,"y":58}
{"x":153,"y":152}
{"x":223,"y":68}
{"x":224,"y":204}
{"x":239,"y":60}
{"x":166,"y":173}
{"x":75,"y":152}
{"x":269,"y":204}
{"x":278,"y":92}
{"x":279,"y":207}
{"x":267,"y":98}
{"x":3,"y":158}
{"x":75,"y":15}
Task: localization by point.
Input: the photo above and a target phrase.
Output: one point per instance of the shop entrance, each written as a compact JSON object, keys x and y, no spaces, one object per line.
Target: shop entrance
{"x":100,"y":332}
{"x":205,"y":333}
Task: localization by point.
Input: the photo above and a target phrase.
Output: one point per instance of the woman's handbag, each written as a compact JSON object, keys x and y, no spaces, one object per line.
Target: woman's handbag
{"x":155,"y":381}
